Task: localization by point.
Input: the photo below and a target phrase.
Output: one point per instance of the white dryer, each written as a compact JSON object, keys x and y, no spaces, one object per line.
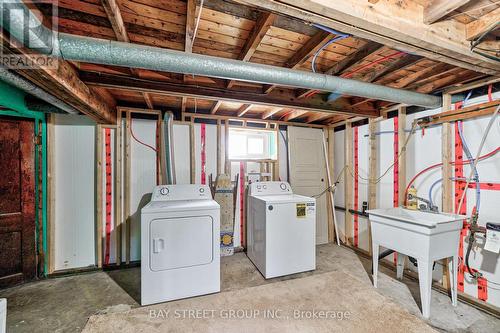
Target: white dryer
{"x":180,"y":253}
{"x":281,"y":229}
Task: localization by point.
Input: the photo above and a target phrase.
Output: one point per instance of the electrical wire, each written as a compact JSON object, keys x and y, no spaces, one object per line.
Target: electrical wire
{"x":330,"y":42}
{"x":396,"y":159}
{"x":139,"y":141}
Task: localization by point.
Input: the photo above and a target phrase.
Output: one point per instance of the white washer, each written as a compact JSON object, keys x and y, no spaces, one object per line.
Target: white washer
{"x":180,"y":253}
{"x":281,"y":229}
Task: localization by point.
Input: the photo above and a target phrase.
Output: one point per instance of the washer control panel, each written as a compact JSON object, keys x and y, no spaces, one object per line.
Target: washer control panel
{"x":270,"y":188}
{"x":181,"y":192}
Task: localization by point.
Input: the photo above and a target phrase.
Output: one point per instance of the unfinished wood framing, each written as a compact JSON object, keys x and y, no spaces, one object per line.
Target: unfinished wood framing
{"x":119,"y":196}
{"x":99,"y":195}
{"x":51,"y":193}
{"x":348,"y":184}
{"x":402,"y":154}
{"x":128,"y":176}
{"x":372,"y":173}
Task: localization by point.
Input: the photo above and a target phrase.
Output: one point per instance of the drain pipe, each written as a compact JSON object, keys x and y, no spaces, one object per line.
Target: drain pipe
{"x":106,"y":52}
{"x":28,"y":87}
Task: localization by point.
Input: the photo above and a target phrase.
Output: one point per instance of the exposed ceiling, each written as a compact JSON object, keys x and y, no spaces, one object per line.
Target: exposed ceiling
{"x":231,"y":30}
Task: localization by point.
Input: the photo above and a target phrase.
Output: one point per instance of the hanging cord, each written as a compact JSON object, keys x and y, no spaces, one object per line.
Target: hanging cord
{"x":139,"y":141}
{"x":400,"y":153}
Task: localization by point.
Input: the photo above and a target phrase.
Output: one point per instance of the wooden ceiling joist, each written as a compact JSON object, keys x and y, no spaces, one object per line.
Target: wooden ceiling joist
{"x":271,"y":112}
{"x":190,"y":25}
{"x":215,"y":107}
{"x":347,"y":63}
{"x":243,"y":109}
{"x":261,"y":27}
{"x":437,"y":9}
{"x":304,"y":53}
{"x":395,"y":24}
{"x":277,"y":99}
{"x":475,"y":29}
{"x":293,"y":114}
{"x":148,"y":100}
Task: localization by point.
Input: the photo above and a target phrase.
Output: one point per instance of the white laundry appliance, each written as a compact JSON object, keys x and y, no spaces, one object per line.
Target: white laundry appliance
{"x":281,"y":229}
{"x":180,"y":250}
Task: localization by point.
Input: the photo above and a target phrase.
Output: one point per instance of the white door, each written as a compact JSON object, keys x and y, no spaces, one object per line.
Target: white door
{"x":308,"y":171}
{"x":181,"y":242}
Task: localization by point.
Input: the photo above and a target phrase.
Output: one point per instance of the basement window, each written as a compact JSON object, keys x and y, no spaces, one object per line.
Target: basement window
{"x":250,"y":144}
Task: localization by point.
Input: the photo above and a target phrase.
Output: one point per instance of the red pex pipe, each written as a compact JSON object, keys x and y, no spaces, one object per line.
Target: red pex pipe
{"x":348,"y":75}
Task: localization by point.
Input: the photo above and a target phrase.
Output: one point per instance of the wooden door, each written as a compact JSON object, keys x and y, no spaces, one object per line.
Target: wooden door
{"x":17,"y":202}
{"x":308,"y":172}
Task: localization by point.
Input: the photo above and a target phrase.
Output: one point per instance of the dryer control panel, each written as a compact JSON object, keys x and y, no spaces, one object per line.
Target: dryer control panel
{"x":270,"y":188}
{"x":181,"y":192}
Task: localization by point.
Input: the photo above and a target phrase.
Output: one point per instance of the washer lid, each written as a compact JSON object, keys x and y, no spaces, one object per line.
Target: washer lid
{"x":181,"y":205}
{"x":284,"y":198}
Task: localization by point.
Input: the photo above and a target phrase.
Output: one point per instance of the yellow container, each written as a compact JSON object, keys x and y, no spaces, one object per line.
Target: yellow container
{"x":411,"y":200}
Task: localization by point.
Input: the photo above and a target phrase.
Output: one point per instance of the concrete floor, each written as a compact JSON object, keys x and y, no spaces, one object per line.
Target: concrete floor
{"x":65,"y":304}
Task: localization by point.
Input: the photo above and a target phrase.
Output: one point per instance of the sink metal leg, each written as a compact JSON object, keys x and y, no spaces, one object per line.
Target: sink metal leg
{"x":453,"y":269}
{"x":425,"y":282}
{"x":375,"y":251}
{"x":400,"y":265}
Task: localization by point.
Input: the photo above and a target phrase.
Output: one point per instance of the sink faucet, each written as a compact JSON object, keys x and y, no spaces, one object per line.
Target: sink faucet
{"x":427,"y":207}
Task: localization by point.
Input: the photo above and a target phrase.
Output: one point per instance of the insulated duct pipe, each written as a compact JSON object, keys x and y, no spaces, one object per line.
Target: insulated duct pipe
{"x":28,"y":87}
{"x":106,"y":52}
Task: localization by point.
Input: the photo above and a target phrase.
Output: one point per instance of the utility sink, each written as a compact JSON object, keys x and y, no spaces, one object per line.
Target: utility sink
{"x":420,"y":221}
{"x":426,"y":236}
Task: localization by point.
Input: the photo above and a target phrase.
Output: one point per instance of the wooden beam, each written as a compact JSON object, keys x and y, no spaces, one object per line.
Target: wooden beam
{"x":190,"y":25}
{"x":348,"y":184}
{"x":304,"y":53}
{"x":486,"y":22}
{"x":116,"y":20}
{"x":395,"y":24}
{"x":118,"y":171}
{"x":244,"y":109}
{"x":99,"y":193}
{"x":440,"y":8}
{"x":271,"y":112}
{"x":404,"y":62}
{"x":260,"y":29}
{"x":372,"y":173}
{"x":276,"y":99}
{"x":347,"y":63}
{"x":148,"y":100}
{"x":294,"y":114}
{"x":317,"y":116}
{"x":402,"y":154}
{"x":215,"y":107}
{"x":51,"y":192}
{"x":472,"y":85}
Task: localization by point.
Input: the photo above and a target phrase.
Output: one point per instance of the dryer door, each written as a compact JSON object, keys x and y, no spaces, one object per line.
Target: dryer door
{"x":180,"y":242}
